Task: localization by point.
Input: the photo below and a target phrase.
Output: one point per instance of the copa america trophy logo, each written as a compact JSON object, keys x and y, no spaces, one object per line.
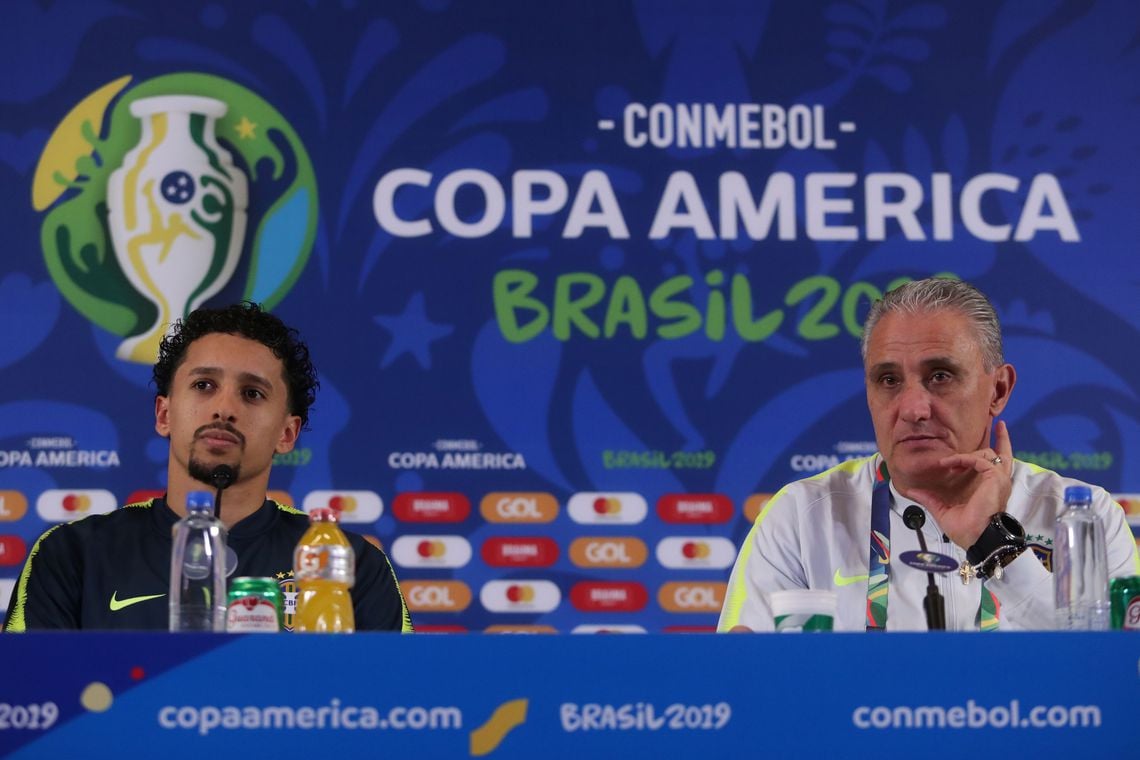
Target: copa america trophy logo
{"x":163,"y":195}
{"x":177,"y":212}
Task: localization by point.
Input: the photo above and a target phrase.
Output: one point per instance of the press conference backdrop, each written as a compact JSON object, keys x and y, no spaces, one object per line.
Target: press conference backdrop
{"x":583,"y":281}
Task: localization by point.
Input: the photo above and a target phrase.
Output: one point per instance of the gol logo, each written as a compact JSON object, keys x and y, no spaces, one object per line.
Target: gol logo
{"x":520,"y":552}
{"x":60,"y":506}
{"x":436,"y":596}
{"x":431,"y":507}
{"x":13,"y":506}
{"x":617,"y":551}
{"x":12,"y":550}
{"x":694,"y":508}
{"x":691,"y":597}
{"x":754,"y":504}
{"x":608,"y":596}
{"x":518,"y":507}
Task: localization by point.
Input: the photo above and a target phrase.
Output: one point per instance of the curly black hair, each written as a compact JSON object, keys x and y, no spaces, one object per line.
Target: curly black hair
{"x":248,"y":320}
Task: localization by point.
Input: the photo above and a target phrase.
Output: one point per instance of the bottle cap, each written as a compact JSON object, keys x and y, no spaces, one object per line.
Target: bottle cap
{"x":1078,"y":493}
{"x":199,"y":501}
{"x":324,"y":514}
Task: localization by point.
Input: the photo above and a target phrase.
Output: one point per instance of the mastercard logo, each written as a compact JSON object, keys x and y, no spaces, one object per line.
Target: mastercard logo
{"x":343,"y":503}
{"x":608,"y":551}
{"x":436,"y":596}
{"x":520,"y":596}
{"x":58,"y":505}
{"x":607,"y":505}
{"x":502,"y":507}
{"x":694,"y":508}
{"x":352,"y":506}
{"x":13,"y":506}
{"x":428,"y":549}
{"x":702,"y":552}
{"x":431,"y":551}
{"x":13,"y":550}
{"x":754,"y":504}
{"x":519,"y":629}
{"x":592,"y":508}
{"x":691,"y":597}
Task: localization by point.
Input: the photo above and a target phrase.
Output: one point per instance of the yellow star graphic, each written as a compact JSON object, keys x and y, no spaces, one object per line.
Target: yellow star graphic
{"x":245,"y":129}
{"x":280,"y":576}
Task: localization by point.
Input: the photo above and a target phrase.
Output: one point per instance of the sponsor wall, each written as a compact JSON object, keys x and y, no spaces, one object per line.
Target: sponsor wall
{"x":584,"y":282}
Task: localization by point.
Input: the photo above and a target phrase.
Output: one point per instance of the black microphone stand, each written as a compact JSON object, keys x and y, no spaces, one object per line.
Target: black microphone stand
{"x":221,"y":476}
{"x":933,"y":604}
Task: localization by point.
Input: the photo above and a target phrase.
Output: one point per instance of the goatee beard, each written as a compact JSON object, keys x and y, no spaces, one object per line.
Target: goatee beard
{"x":204,"y":473}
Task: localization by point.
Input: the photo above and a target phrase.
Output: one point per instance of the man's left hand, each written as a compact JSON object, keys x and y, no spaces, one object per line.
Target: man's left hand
{"x":964,"y":514}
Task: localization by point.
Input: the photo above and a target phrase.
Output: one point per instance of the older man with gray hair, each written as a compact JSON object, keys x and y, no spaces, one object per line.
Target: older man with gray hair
{"x":936,"y":382}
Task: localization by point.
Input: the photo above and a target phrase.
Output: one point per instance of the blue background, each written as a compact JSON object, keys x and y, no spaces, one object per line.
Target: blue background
{"x":403,"y":330}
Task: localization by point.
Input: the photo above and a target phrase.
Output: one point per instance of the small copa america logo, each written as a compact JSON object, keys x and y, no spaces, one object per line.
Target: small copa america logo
{"x":163,"y":194}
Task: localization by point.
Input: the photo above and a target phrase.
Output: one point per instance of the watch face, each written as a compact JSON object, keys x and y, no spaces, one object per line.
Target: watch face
{"x":1010,"y":525}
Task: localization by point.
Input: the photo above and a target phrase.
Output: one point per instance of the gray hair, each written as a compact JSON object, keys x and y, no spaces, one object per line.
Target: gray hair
{"x":937,"y":294}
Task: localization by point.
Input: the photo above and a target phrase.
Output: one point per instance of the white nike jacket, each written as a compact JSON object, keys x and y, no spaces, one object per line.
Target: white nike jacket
{"x":815,"y":533}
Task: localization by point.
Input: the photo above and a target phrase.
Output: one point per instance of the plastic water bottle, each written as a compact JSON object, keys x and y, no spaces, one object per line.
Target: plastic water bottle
{"x":198,"y":568}
{"x":1080,"y":565}
{"x":324,"y":567}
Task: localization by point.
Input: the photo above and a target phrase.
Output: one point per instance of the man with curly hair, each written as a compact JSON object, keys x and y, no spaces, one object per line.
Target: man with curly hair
{"x":233,"y":388}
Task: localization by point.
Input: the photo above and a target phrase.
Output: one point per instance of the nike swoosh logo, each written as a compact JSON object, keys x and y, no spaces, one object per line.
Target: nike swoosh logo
{"x":118,"y":604}
{"x":847,"y":580}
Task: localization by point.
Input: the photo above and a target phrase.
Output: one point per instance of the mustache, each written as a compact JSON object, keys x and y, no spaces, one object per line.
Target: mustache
{"x":223,"y":426}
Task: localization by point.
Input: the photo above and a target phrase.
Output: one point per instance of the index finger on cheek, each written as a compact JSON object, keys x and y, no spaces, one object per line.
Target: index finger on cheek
{"x":1002,"y":444}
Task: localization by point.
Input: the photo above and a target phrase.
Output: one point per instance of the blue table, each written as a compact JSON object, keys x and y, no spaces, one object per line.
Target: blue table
{"x":371,"y":695}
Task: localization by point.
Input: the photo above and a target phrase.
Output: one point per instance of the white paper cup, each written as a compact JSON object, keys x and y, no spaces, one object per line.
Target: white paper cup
{"x":807,"y":610}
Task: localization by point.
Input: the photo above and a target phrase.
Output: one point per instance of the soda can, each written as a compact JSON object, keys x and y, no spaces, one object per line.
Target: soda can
{"x":254,"y":605}
{"x":1125,"y":594}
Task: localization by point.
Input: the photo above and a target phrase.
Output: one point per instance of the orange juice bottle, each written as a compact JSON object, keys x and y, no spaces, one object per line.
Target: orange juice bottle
{"x":324,"y":566}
